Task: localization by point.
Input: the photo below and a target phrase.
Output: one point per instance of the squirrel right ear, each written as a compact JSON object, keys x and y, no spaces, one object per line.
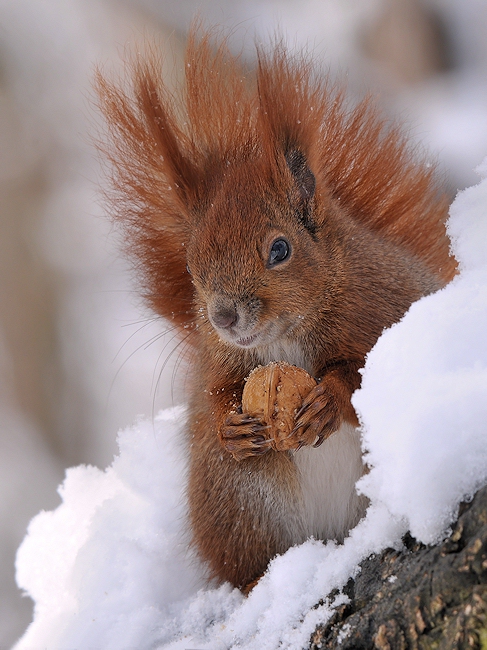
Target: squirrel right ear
{"x":167,"y":138}
{"x":153,"y":185}
{"x":151,"y":154}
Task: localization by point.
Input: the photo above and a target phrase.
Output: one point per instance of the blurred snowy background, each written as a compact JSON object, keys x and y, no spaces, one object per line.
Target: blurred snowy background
{"x":79,"y":357}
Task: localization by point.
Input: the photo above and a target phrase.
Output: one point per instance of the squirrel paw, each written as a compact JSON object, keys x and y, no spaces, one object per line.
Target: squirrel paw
{"x":244,"y":436}
{"x":318,"y":418}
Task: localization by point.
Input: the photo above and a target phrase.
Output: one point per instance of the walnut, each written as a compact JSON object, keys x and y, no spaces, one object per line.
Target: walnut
{"x":275,"y":393}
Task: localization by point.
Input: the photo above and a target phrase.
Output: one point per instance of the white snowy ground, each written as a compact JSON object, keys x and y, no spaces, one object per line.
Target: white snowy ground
{"x":108,"y":569}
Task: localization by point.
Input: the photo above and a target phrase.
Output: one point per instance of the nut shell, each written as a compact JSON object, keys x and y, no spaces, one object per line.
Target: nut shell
{"x":274,"y":393}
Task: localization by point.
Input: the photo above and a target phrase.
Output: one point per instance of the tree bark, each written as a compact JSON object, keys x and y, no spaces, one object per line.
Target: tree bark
{"x":424,"y":597}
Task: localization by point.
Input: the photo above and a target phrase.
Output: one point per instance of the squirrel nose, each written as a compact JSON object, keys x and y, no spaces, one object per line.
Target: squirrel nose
{"x":225,"y":317}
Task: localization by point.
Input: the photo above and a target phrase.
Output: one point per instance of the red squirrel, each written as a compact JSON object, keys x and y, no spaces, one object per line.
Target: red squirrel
{"x":270,"y":221}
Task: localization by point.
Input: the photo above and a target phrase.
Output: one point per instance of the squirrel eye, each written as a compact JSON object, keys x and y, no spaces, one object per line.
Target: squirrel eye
{"x":280,"y":251}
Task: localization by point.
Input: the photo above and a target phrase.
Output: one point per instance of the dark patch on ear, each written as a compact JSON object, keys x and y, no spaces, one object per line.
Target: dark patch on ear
{"x":304,"y":177}
{"x":305,"y":184}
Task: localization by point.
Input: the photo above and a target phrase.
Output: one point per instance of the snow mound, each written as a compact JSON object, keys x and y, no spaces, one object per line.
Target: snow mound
{"x":423,"y":400}
{"x":110,"y":567}
{"x":110,"y":562}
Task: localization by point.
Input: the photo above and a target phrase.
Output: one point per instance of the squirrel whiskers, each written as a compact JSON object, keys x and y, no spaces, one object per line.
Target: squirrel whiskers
{"x":274,"y":223}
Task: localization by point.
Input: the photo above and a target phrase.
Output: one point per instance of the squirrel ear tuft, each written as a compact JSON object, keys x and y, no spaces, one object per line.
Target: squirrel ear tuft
{"x":302,"y":174}
{"x":165,"y":137}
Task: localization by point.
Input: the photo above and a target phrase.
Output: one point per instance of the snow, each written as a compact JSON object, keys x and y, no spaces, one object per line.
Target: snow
{"x":110,"y":566}
{"x":424,"y":394}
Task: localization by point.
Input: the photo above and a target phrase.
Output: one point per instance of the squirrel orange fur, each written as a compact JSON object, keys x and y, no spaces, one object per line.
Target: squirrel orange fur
{"x":270,"y":222}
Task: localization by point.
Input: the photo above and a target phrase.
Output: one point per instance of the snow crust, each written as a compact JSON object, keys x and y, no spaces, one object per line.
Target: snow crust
{"x":110,"y":568}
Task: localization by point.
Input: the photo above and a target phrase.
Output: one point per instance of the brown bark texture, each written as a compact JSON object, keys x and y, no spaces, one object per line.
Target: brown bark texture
{"x":424,"y":597}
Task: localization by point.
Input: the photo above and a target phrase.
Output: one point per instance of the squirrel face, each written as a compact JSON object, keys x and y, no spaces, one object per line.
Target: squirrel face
{"x":251,"y":254}
{"x":244,"y":312}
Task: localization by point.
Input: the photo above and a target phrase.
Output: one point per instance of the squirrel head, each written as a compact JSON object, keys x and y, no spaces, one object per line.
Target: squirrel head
{"x":252,"y":181}
{"x":255,"y":248}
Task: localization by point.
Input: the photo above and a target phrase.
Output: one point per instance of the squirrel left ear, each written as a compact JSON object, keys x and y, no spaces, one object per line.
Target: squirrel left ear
{"x":305,"y":184}
{"x":304,"y":177}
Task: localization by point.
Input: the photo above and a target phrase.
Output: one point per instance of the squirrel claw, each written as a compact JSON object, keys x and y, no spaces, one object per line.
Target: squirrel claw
{"x":244,"y":436}
{"x":303,"y":438}
{"x":312,"y":398}
{"x":294,"y":431}
{"x":317,"y":419}
{"x":321,"y":439}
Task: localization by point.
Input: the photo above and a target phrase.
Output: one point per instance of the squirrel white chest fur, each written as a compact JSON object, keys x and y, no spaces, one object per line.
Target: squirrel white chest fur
{"x":327,"y":475}
{"x":289,"y":351}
